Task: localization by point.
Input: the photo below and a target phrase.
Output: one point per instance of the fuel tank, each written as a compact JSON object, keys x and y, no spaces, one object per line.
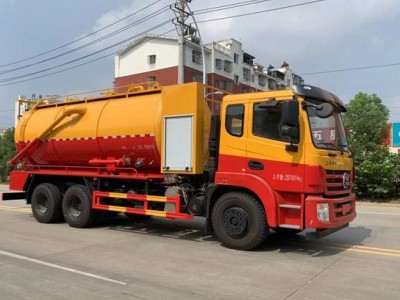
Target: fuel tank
{"x":125,"y":127}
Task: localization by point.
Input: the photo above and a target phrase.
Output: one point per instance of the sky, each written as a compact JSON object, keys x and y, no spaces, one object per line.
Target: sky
{"x":319,"y":39}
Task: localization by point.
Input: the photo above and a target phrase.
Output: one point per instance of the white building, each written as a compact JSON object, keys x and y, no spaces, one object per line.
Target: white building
{"x":21,"y":106}
{"x":227,"y":65}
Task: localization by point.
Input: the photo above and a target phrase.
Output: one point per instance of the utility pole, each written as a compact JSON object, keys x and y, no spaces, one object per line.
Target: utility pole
{"x":186,"y":32}
{"x":182,"y":15}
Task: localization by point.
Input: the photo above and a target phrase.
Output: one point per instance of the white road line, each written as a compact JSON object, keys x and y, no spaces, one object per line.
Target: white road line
{"x":40,"y":262}
{"x":376,"y":213}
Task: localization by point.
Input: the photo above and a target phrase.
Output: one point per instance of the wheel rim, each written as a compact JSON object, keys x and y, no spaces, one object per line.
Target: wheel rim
{"x":75,"y":207}
{"x":42,"y":204}
{"x":236,"y":222}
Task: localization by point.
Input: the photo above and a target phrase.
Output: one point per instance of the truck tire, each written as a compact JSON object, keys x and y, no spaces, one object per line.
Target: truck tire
{"x":77,"y":207}
{"x":46,"y":203}
{"x":239,"y":221}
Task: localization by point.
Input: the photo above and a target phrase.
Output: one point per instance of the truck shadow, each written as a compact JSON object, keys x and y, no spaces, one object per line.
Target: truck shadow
{"x":192,"y":230}
{"x":341,"y":241}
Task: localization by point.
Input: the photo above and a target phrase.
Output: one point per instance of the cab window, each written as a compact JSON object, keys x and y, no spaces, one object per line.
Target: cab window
{"x":267,"y":121}
{"x":235,"y":119}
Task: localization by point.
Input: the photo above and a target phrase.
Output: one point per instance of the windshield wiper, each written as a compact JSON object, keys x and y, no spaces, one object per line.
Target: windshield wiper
{"x":333,"y":145}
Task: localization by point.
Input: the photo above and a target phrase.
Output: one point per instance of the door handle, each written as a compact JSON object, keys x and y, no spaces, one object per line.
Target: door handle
{"x":256,"y":165}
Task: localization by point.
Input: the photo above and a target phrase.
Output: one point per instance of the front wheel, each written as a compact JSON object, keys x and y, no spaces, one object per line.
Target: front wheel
{"x":77,"y":207}
{"x":239,"y":221}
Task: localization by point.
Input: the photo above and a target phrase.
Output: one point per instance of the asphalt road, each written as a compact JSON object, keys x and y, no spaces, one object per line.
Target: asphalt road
{"x":160,"y":259}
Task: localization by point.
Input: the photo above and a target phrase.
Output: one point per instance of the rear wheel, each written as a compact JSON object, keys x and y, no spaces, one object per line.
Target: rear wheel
{"x":239,"y":221}
{"x":46,"y":203}
{"x":77,"y":207}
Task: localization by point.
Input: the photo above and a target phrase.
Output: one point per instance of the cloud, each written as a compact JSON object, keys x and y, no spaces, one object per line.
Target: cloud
{"x":309,"y":30}
{"x":129,"y":17}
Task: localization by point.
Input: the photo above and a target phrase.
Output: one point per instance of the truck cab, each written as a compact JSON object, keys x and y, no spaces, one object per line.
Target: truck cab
{"x":289,"y":149}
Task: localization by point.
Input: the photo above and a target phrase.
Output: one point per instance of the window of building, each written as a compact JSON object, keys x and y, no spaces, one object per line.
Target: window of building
{"x":228,"y":66}
{"x":236,"y":79}
{"x":234,"y":119}
{"x":219,"y":64}
{"x":151,"y":59}
{"x":226,"y":85}
{"x":262,"y":80}
{"x":197,"y":77}
{"x":272,"y":84}
{"x":196,"y":57}
{"x":229,"y":86}
{"x":267,"y":118}
{"x":151,"y":78}
{"x":236,"y":58}
{"x":219,"y":84}
{"x":246,"y":74}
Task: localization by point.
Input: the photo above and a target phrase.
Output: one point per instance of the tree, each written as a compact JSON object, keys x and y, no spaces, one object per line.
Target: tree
{"x":366,"y":117}
{"x":7,"y":151}
{"x":377,"y":170}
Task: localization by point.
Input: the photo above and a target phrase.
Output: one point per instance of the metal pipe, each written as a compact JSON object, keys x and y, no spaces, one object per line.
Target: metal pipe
{"x":37,"y":141}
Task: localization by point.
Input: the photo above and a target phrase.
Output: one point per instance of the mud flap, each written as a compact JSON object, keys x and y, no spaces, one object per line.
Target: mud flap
{"x":12,"y":195}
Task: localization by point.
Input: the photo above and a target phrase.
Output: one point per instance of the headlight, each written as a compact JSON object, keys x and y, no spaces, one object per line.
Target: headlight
{"x":323,"y":212}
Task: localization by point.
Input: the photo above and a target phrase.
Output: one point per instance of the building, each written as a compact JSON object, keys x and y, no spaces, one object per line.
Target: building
{"x":21,"y":106}
{"x":394,"y":137}
{"x":228,"y":66}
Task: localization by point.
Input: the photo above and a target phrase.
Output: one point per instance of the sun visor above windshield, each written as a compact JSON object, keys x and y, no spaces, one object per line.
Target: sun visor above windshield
{"x":309,"y":91}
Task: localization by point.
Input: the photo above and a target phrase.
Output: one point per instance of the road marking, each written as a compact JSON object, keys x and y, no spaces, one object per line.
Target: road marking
{"x":377,"y":213}
{"x":51,"y":265}
{"x":359,"y":249}
{"x":373,"y":252}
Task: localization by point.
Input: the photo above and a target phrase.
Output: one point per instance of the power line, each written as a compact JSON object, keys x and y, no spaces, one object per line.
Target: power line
{"x":352,"y":69}
{"x":81,"y":38}
{"x":82,"y":64}
{"x":80,"y":58}
{"x":260,"y":11}
{"x":146,"y":18}
{"x":104,"y":49}
{"x":83,"y":57}
{"x":229,"y":6}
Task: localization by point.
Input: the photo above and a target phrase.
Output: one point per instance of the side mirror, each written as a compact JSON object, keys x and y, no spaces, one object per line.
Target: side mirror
{"x":324,"y":110}
{"x":290,"y":123}
{"x":291,"y":132}
{"x":290,"y":116}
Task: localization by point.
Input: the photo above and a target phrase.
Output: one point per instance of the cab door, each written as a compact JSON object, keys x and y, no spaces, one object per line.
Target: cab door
{"x":232,"y":154}
{"x":268,"y":154}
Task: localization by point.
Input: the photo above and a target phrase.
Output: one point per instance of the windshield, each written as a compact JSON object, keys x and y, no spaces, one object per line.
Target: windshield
{"x":327,"y":133}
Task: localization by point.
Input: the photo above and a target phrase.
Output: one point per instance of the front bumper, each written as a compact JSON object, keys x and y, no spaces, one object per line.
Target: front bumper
{"x":341,"y":211}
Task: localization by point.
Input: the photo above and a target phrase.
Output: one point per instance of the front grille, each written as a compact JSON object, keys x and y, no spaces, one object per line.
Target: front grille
{"x":335,"y":182}
{"x":344,"y":209}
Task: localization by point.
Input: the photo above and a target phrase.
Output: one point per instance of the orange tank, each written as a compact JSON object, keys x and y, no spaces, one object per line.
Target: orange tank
{"x":125,"y":128}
